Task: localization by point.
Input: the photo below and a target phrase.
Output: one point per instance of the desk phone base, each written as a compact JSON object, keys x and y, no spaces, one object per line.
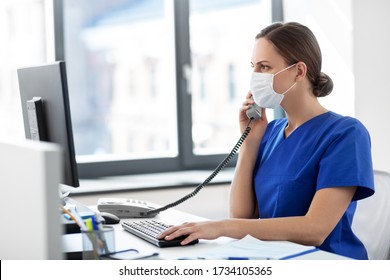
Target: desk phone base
{"x":150,"y":229}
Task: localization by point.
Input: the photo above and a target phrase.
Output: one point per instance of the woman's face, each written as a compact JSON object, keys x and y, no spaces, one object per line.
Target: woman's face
{"x":265,"y":59}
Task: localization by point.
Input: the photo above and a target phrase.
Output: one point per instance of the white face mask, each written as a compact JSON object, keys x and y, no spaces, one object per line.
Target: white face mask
{"x":263,"y":91}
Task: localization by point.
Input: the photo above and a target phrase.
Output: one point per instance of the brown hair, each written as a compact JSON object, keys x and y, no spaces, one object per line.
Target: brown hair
{"x":295,"y":42}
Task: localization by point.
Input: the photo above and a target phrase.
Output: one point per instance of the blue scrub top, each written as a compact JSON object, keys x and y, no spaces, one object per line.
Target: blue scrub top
{"x":327,"y":151}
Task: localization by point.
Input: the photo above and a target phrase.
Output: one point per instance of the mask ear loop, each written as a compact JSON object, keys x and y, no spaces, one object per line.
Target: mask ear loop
{"x":280,"y":72}
{"x":288,"y":89}
{"x":285,"y":69}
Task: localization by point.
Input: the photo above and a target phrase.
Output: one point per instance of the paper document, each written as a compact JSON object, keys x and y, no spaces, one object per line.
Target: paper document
{"x":253,"y":248}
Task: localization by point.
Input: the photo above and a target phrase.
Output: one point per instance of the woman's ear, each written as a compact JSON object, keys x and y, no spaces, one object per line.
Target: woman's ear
{"x":301,"y":71}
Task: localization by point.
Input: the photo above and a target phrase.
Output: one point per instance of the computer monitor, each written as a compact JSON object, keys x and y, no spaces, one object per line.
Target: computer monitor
{"x":46,"y":111}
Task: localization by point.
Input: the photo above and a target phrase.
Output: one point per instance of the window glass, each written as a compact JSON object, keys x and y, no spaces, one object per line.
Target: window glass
{"x":222,"y":35}
{"x":120,"y":64}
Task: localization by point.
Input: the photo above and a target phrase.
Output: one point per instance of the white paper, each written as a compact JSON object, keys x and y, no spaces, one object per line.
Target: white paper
{"x":253,"y":248}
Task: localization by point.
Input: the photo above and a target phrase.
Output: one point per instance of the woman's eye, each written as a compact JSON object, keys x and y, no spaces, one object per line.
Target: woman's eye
{"x":264,"y":68}
{"x":258,"y":67}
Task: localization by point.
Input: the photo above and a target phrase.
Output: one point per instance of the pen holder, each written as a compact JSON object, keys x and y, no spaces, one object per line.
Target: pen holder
{"x":98,"y":242}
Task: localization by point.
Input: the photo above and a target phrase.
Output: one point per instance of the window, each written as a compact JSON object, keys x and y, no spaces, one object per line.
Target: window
{"x":121,"y":72}
{"x":221,"y":41}
{"x":155,"y":85}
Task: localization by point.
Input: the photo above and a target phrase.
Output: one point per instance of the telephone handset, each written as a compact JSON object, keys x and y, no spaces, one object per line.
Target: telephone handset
{"x":141,"y":209}
{"x":254,"y":112}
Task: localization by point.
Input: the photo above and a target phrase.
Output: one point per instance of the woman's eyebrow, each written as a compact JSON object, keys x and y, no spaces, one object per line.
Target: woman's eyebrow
{"x":259,"y":63}
{"x":262,"y":61}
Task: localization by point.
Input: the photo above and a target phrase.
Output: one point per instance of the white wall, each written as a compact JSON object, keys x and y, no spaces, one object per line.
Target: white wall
{"x":331,"y":23}
{"x":354,"y":37}
{"x":371,"y":23}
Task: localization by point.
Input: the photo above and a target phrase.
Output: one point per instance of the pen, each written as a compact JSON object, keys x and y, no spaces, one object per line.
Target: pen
{"x":99,"y":221}
{"x":232,"y":258}
{"x":78,"y":218}
{"x":248,"y":258}
{"x":216,"y":258}
{"x":237,"y":258}
{"x":75,"y":218}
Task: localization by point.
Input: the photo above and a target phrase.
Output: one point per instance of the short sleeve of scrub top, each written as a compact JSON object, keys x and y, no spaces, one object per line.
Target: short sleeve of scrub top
{"x":327,"y":151}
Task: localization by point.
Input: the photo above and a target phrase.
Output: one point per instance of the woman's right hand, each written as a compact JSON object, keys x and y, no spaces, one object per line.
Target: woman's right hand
{"x":242,"y":197}
{"x":257,"y":127}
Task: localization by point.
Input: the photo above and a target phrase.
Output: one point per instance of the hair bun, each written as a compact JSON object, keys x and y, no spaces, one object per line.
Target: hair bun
{"x":323,"y":85}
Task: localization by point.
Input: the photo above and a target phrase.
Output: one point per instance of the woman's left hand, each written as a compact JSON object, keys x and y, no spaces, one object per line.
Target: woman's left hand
{"x":198,"y":230}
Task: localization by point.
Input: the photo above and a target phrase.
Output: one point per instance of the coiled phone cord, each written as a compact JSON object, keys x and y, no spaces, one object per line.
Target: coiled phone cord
{"x":208,"y":180}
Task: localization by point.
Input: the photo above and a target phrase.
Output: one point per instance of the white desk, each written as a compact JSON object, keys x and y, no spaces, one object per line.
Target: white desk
{"x":125,"y":240}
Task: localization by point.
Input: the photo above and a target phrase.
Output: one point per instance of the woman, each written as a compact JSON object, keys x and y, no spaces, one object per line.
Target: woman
{"x":298,"y":178}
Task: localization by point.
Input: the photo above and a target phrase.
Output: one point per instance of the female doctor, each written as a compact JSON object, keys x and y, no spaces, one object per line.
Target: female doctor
{"x":298,"y":178}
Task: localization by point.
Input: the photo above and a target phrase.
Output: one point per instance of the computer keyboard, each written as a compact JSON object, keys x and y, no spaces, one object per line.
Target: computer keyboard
{"x":150,"y":229}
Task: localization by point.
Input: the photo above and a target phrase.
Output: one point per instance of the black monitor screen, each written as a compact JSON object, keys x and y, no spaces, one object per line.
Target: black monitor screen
{"x":46,"y":111}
